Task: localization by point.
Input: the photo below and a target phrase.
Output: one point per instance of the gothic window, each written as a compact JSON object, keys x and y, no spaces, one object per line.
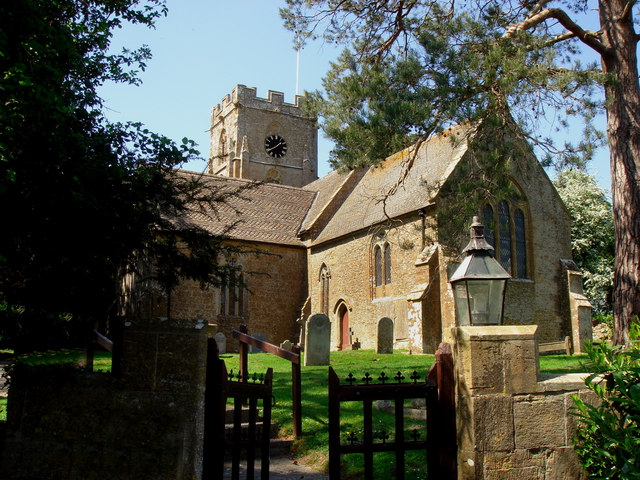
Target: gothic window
{"x":521,"y":243}
{"x":487,"y":216}
{"x":387,"y":263}
{"x":506,"y":232}
{"x":381,"y":263}
{"x":233,"y":296}
{"x":378,"y":264}
{"x":324,"y":289}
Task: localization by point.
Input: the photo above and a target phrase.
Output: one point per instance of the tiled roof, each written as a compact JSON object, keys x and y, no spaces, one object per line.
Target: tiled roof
{"x":371,"y":202}
{"x":330,"y":192}
{"x":346,"y":202}
{"x":265,"y":212}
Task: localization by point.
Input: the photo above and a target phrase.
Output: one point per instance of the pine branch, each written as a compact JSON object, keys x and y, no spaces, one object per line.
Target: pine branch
{"x":587,"y":37}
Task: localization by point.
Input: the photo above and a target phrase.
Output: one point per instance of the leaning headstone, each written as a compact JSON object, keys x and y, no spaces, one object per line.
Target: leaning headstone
{"x":317,"y":340}
{"x":221,"y":341}
{"x":355,"y":345}
{"x":286,"y":345}
{"x":258,"y":336}
{"x":385,"y":335}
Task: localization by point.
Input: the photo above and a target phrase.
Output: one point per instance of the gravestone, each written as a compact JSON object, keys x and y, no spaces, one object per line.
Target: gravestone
{"x":221,"y":341}
{"x":385,"y":335}
{"x":317,"y":340}
{"x":257,"y":336}
{"x":286,"y":345}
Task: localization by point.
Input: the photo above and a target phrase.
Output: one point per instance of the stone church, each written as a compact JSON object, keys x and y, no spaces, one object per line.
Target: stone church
{"x":359,"y":246}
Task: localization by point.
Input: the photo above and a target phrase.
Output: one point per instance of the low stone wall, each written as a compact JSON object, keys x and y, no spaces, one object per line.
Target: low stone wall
{"x":148,"y":424}
{"x":512,"y":423}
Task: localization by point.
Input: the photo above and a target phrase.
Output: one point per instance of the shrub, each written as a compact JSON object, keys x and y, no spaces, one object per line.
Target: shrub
{"x":608,"y":436}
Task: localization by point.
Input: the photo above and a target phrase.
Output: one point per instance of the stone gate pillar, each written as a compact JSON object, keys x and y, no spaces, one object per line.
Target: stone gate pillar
{"x":164,"y":376}
{"x":510,"y":423}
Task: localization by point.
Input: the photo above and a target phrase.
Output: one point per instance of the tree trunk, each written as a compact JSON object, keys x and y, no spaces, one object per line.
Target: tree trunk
{"x":622,"y":94}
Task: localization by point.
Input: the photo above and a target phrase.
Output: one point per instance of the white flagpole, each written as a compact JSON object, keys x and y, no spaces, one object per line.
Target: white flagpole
{"x":297,"y":69}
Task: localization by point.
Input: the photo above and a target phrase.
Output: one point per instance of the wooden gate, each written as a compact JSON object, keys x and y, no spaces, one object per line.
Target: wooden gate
{"x":249,"y":434}
{"x":438,"y":438}
{"x":245,"y":340}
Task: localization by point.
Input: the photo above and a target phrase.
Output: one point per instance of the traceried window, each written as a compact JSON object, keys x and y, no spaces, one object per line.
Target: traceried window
{"x":324,"y":289}
{"x":233,"y":296}
{"x":381,"y":267}
{"x":377,"y":253}
{"x":506,"y":231}
{"x":489,"y":224}
{"x":387,"y":263}
{"x":521,"y":242}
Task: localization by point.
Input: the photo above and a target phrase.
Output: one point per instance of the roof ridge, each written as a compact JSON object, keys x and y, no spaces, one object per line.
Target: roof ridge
{"x":243,"y":180}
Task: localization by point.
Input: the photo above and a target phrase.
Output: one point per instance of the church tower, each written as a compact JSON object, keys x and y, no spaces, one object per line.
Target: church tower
{"x":263,"y":139}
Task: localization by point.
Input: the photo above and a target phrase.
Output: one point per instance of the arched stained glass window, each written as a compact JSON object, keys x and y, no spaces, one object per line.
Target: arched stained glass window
{"x":504,"y":227}
{"x":489,"y":225}
{"x":507,"y":233}
{"x":521,"y":243}
{"x":387,"y":263}
{"x":378,"y":265}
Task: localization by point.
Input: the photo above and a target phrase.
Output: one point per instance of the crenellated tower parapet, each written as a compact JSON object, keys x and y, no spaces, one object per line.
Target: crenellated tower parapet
{"x":265,"y":139}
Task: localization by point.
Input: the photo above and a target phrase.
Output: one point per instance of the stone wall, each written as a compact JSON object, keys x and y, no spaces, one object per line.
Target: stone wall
{"x":147,"y":424}
{"x":276,"y":291}
{"x":350,"y":264}
{"x":510,"y":422}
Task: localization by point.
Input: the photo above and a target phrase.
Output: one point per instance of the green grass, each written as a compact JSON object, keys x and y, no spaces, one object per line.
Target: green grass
{"x":314,"y":443}
{"x":101,"y":361}
{"x":564,"y":364}
{"x":3,"y":409}
{"x":313,"y":446}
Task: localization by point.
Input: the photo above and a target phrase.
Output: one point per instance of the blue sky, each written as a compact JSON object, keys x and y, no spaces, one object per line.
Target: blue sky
{"x":202,"y":49}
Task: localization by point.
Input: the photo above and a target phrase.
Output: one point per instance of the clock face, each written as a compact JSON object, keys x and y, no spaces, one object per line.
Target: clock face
{"x":275,"y":146}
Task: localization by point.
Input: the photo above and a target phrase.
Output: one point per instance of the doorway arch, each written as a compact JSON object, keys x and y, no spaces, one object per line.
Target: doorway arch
{"x":343,"y":318}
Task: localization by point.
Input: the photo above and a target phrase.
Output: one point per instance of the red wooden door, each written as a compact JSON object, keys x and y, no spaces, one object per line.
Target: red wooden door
{"x":345,"y":329}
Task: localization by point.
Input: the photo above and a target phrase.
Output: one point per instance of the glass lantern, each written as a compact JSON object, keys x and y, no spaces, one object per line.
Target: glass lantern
{"x":479,"y":282}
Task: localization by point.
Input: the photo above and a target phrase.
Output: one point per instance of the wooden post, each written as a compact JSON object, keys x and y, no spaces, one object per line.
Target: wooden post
{"x":334,"y":425}
{"x":447,"y":412}
{"x":244,"y":356}
{"x":266,"y":426}
{"x":214,"y":414}
{"x":400,"y":461}
{"x":89,"y":351}
{"x":116,"y":331}
{"x":296,"y":393}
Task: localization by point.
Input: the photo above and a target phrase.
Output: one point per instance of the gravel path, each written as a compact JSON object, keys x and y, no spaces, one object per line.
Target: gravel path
{"x":282,"y":468}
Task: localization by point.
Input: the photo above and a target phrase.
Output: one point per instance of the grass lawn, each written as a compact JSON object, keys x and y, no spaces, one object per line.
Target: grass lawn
{"x":313,"y":446}
{"x":101,"y":361}
{"x":564,"y":363}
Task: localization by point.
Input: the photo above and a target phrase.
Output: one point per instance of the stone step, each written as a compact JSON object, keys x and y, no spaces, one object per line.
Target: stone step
{"x":277,"y":447}
{"x":244,"y":415}
{"x":245,"y":429}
